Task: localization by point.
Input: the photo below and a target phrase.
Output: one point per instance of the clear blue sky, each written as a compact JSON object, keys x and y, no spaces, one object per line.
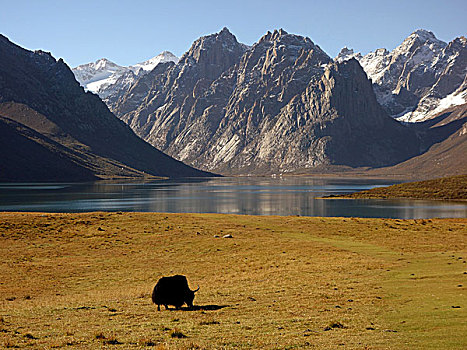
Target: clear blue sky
{"x":128,"y":32}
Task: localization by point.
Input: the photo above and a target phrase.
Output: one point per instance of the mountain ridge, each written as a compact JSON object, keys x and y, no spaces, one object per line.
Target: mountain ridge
{"x":250,"y":115}
{"x":40,"y":93}
{"x":419,"y":78}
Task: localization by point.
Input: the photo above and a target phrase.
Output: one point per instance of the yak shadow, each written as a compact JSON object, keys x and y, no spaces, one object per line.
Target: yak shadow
{"x":203,"y":307}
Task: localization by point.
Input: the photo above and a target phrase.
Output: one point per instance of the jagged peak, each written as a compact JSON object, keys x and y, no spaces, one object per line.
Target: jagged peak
{"x":225,"y":31}
{"x":280,"y":32}
{"x":225,"y":38}
{"x":47,"y":54}
{"x":166,"y":53}
{"x":289,"y":44}
{"x":150,"y":64}
{"x":163,"y":55}
{"x":456,"y":44}
{"x":346,"y":54}
{"x":461,"y":40}
{"x":424,"y":36}
{"x":224,"y":35}
{"x":346,"y":49}
{"x":281,"y":36}
{"x":277,"y":34}
{"x":381,"y":52}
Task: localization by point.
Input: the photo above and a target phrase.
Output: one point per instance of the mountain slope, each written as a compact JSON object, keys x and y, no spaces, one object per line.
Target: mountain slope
{"x":279,"y":106}
{"x":26,"y":155}
{"x":42,"y":94}
{"x":445,"y":139}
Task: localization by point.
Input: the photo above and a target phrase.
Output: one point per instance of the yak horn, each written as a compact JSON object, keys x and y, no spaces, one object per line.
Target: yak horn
{"x":196,"y":289}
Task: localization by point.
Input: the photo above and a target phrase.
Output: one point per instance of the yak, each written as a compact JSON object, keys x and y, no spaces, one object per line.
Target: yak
{"x":173,"y":290}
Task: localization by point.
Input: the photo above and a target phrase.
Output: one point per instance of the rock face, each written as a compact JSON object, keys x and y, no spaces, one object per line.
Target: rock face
{"x":160,"y":101}
{"x":42,"y":107}
{"x":419,"y":78}
{"x":280,"y":106}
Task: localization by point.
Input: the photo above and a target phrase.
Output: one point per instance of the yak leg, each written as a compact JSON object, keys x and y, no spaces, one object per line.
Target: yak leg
{"x":158,"y":307}
{"x":166,"y":307}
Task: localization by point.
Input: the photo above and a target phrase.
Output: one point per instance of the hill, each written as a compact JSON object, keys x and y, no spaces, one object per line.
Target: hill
{"x":43,"y":106}
{"x":447,"y":188}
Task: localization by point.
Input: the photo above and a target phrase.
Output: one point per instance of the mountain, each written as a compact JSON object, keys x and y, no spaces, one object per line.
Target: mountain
{"x":49,"y":123}
{"x":278,"y":106}
{"x":419,"y":78}
{"x":27,"y":155}
{"x":108,"y":80}
{"x":445,"y":145}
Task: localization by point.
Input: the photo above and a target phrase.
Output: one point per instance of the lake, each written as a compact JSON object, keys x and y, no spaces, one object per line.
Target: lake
{"x":239,"y":195}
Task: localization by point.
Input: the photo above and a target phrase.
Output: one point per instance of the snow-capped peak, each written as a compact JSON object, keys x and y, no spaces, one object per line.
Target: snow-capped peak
{"x":419,"y":78}
{"x":424,"y":35}
{"x":99,"y":65}
{"x":92,"y":75}
{"x":149,"y":65}
{"x":104,"y":63}
{"x":101,"y":76}
{"x":417,"y":38}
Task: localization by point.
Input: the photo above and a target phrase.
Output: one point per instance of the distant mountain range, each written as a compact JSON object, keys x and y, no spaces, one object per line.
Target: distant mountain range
{"x":418,"y":79}
{"x":110,"y":81}
{"x":283,"y":105}
{"x":52,"y":130}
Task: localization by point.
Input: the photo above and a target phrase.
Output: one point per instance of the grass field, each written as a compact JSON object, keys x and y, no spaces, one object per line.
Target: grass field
{"x":83,"y":281}
{"x":446,"y":188}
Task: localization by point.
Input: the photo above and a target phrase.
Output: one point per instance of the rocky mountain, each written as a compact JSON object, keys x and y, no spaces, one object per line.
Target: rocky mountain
{"x":419,"y":78}
{"x":51,"y":129}
{"x":109,"y":80}
{"x":278,"y":106}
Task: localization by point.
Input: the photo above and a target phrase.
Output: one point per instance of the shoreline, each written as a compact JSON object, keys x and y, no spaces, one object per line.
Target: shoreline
{"x":452,"y":188}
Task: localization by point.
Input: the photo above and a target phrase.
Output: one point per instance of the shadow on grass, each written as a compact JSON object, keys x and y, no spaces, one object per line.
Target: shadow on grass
{"x":202,"y":308}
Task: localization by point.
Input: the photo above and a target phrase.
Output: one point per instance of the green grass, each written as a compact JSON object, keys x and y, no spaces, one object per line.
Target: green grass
{"x":279,"y":283}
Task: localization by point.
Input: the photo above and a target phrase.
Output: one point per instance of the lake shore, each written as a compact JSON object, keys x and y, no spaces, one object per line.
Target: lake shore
{"x":85,"y":280}
{"x":452,"y":188}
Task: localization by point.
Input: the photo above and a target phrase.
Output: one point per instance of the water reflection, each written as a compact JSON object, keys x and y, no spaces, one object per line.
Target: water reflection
{"x":256,"y":196}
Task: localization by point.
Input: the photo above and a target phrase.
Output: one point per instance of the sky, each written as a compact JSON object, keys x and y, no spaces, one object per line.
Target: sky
{"x":128,"y":32}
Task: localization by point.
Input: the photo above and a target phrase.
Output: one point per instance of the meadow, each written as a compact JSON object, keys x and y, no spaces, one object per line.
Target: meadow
{"x":84,"y":281}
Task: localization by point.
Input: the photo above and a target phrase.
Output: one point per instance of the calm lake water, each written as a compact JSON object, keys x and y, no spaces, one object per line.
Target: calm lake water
{"x":245,"y":195}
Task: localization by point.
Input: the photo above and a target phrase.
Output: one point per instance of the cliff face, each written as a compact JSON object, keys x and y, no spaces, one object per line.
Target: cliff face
{"x":161,"y":100}
{"x":40,"y":93}
{"x":280,"y":106}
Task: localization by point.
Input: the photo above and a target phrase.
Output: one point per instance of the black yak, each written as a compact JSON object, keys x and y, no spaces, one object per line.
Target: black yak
{"x":174,"y":291}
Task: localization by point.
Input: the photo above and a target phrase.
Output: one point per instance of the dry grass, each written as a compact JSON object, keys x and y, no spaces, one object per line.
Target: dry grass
{"x":446,"y":188}
{"x":84,"y":281}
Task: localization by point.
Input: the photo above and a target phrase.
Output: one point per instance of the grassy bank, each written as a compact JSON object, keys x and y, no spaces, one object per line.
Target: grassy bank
{"x":446,"y":188}
{"x":84,"y":281}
